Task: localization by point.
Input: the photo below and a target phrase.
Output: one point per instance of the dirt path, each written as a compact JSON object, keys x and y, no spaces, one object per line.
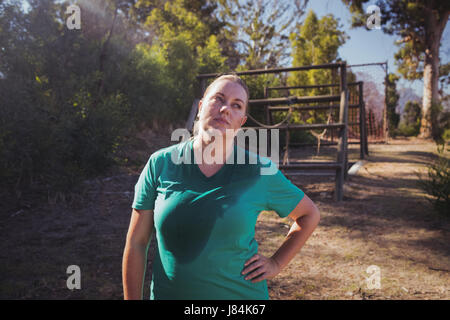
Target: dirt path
{"x":384,"y":221}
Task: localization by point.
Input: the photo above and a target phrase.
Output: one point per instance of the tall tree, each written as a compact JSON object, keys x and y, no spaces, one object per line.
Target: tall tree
{"x":420,"y":25}
{"x":316,"y":41}
{"x":259,"y":30}
{"x":392,"y":101}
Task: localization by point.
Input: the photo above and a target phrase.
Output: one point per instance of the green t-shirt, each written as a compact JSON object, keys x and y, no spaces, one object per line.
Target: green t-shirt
{"x":204,"y":226}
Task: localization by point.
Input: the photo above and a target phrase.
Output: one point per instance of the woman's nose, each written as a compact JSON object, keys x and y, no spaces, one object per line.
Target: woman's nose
{"x":225,"y":108}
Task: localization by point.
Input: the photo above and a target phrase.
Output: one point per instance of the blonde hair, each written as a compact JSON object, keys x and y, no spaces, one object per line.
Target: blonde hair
{"x":233,"y":78}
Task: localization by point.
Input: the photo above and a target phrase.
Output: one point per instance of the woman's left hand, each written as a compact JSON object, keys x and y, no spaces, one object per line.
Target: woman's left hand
{"x":260,"y":267}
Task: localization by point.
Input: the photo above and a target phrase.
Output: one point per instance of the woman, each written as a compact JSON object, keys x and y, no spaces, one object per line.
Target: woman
{"x":204,"y":213}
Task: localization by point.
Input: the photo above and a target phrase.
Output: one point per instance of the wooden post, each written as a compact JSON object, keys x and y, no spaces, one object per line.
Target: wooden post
{"x":268,"y":119}
{"x":342,"y":141}
{"x":366,"y":142}
{"x":385,"y":117}
{"x":361,"y":121}
{"x":266,"y":107}
{"x":364,"y":119}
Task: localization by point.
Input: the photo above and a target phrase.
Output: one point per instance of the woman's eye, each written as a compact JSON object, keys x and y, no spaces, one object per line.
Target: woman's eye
{"x":236,"y":105}
{"x":219,"y":98}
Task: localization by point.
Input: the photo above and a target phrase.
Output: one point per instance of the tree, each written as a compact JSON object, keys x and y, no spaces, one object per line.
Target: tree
{"x":420,"y":25}
{"x":410,"y":123}
{"x":392,"y":101}
{"x":411,"y":114}
{"x":316,"y":41}
{"x":184,"y":44}
{"x":259,"y":30}
{"x":50,"y":134}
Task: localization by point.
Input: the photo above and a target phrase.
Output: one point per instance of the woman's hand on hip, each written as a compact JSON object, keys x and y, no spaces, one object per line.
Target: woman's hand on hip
{"x":259,"y":267}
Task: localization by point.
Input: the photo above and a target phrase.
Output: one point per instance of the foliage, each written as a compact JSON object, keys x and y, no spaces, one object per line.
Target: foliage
{"x":316,"y":41}
{"x":391,"y":102}
{"x":259,"y":30}
{"x":446,"y":135}
{"x":72,"y":98}
{"x":442,"y":123}
{"x":410,"y":124}
{"x":437,"y":183}
{"x":420,"y":25}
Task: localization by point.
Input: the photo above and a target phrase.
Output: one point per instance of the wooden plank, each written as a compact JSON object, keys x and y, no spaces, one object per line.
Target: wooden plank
{"x":304,"y":126}
{"x":311,"y":166}
{"x":274,"y":70}
{"x":301,"y":144}
{"x":301,"y":108}
{"x":316,"y":86}
{"x":364,"y":123}
{"x":361,"y":120}
{"x":293,"y":99}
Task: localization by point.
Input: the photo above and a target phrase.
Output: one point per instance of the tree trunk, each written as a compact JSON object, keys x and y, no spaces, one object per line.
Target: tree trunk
{"x":433,"y":33}
{"x":102,"y":58}
{"x":430,"y":93}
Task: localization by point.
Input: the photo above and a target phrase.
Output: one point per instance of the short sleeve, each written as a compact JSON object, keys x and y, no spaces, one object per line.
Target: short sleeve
{"x":145,"y":188}
{"x":282,"y":195}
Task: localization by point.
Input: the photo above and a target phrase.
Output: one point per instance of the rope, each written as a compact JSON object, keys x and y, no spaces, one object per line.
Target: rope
{"x":288,"y":117}
{"x":320,"y":136}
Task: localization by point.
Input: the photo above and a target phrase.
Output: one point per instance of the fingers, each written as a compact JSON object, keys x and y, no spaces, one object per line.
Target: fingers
{"x":255,"y":268}
{"x":256,"y":275}
{"x":252,"y":259}
{"x":251,"y":264}
{"x":260,"y":278}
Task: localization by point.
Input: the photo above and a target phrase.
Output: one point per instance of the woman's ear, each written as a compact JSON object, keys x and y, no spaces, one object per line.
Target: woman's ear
{"x":244,"y":120}
{"x":199,"y":108}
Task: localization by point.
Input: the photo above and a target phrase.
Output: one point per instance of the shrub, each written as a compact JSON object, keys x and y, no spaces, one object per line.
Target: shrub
{"x":446,"y":135}
{"x":408,"y":130}
{"x":437,"y":184}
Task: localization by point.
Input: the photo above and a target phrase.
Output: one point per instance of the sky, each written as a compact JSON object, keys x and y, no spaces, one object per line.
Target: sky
{"x":368,"y":46}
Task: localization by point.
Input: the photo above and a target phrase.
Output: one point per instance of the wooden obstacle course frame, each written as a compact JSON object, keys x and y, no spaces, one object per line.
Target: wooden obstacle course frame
{"x":341,"y":163}
{"x":360,"y":105}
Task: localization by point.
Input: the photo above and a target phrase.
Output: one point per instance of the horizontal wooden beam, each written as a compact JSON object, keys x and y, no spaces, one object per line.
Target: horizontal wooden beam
{"x":303,"y":144}
{"x":293,"y":99}
{"x":311,"y":166}
{"x":304,"y":126}
{"x":328,"y":85}
{"x":334,"y":106}
{"x":275,"y":70}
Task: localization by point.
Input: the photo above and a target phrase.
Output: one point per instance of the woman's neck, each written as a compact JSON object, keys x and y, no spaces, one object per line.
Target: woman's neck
{"x":212,"y":150}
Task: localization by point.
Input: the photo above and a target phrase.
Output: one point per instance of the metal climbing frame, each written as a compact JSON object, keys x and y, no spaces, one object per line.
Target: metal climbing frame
{"x":340,"y":166}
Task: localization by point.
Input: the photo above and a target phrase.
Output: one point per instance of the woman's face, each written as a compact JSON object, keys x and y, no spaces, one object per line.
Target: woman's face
{"x":223,"y":107}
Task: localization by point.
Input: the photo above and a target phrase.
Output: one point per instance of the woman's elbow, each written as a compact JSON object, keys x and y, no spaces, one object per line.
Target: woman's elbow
{"x":315,"y":214}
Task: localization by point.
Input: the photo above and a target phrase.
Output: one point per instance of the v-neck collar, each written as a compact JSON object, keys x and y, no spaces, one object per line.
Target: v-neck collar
{"x":225,"y":167}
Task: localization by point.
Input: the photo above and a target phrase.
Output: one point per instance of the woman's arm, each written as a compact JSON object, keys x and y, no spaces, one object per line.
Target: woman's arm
{"x":135,"y":253}
{"x":306,"y":217}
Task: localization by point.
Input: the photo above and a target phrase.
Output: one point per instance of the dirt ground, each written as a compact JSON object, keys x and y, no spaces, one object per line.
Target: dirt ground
{"x":384,"y":221}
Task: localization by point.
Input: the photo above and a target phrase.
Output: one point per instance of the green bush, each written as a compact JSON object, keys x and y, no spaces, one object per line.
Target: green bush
{"x":437,"y":183}
{"x":408,"y":130}
{"x":410,"y":123}
{"x":446,"y":135}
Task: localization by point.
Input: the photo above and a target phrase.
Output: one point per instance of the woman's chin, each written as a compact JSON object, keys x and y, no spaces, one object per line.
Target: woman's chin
{"x":222,"y":131}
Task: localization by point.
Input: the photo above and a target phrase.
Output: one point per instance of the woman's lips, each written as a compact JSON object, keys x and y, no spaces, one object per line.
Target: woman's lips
{"x":221,"y":120}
